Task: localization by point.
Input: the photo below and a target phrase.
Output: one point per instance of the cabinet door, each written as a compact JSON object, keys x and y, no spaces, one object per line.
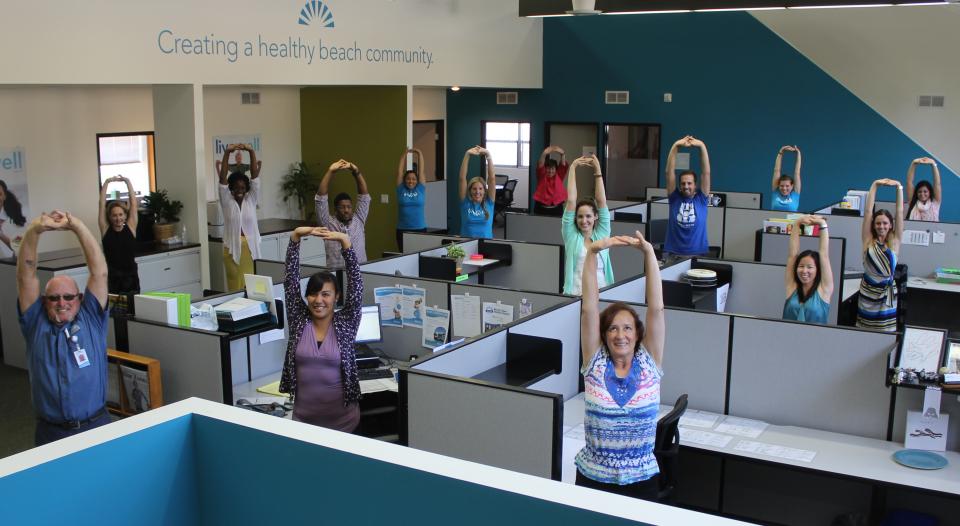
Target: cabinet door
{"x":270,"y":248}
{"x":311,"y":248}
{"x":175,"y":268}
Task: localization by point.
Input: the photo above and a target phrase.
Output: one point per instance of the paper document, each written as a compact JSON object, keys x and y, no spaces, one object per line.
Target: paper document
{"x":771,"y":450}
{"x":412,"y":302}
{"x":916,"y":237}
{"x":271,"y":389}
{"x":436,"y":325}
{"x":921,"y":349}
{"x":694,"y":418}
{"x":704,"y":438}
{"x":465,"y":310}
{"x":744,"y":427}
{"x":389,"y":300}
{"x":377,"y":385}
{"x":496,"y":315}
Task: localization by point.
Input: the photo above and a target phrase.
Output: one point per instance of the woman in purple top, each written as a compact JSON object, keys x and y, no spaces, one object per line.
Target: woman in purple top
{"x":320,"y":371}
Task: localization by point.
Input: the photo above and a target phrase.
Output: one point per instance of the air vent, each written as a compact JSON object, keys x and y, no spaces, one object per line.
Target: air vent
{"x":618,"y":97}
{"x":930,"y":101}
{"x":506,"y":97}
{"x":252,"y":97}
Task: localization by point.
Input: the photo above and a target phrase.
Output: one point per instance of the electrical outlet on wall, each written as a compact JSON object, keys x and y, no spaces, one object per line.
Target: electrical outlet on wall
{"x":384,"y":198}
{"x":668,"y":97}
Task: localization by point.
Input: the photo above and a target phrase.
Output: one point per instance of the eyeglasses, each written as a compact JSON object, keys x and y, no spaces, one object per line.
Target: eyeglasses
{"x":53,"y":298}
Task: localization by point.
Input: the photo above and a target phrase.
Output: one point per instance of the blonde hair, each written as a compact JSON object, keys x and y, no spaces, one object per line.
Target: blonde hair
{"x":483,"y":183}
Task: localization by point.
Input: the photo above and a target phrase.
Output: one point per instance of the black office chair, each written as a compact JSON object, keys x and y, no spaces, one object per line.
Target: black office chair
{"x":667,"y":450}
{"x":504,"y":200}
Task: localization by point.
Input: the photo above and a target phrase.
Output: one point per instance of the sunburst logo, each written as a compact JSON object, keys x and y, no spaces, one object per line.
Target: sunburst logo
{"x":315,"y":12}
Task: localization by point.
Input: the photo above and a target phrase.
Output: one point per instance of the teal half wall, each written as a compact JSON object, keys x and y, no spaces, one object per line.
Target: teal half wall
{"x":736,"y":85}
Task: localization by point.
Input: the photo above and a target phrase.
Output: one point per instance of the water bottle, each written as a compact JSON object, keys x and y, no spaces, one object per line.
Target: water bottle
{"x":183,"y":233}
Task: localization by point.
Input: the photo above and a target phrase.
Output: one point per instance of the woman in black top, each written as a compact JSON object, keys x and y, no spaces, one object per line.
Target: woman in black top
{"x":118,"y":226}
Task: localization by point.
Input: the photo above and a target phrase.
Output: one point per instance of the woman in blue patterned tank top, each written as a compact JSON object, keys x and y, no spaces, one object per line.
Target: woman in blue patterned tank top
{"x":622,"y":360}
{"x":808,"y":277}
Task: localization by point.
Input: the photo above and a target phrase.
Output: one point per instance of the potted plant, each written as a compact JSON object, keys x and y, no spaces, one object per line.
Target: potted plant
{"x":165,"y":213}
{"x":299,"y":184}
{"x":456,"y":252}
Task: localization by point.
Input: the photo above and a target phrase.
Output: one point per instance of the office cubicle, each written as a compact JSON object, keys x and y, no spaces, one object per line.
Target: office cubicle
{"x":633,"y":289}
{"x":450,"y":412}
{"x":419,"y":241}
{"x":740,"y":231}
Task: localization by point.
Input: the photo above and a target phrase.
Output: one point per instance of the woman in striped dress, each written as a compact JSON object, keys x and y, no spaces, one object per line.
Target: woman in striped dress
{"x":881,"y":233}
{"x":621,"y":374}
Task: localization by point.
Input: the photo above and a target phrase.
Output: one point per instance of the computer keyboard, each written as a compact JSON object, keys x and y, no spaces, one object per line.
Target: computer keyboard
{"x":374,"y":374}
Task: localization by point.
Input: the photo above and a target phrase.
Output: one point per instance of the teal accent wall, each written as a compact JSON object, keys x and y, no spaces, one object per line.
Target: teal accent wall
{"x":144,"y":478}
{"x":736,"y":85}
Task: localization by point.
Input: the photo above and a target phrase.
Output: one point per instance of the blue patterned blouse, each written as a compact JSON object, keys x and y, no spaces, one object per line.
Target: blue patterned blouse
{"x":620,"y":420}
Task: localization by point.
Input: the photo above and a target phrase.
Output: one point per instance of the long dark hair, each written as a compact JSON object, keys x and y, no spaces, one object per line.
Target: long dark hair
{"x":815,"y":256}
{"x":606,"y":320}
{"x":316,"y":282}
{"x":12,"y":207}
{"x":914,"y":199}
{"x":873,"y":218}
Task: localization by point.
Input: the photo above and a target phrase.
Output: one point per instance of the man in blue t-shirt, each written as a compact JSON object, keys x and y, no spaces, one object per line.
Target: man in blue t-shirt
{"x":66,"y":335}
{"x":687,"y":221}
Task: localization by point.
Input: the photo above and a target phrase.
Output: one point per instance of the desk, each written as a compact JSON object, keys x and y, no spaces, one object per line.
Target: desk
{"x":856,"y":459}
{"x":932,"y":304}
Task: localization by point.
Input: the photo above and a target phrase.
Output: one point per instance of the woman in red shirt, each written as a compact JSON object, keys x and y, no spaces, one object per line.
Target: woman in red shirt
{"x":550,"y":195}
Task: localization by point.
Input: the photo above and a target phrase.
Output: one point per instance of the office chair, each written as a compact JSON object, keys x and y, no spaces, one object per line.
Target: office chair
{"x":667,"y":450}
{"x":504,"y":200}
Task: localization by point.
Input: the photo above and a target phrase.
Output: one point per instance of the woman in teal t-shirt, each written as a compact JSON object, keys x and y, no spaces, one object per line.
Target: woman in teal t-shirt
{"x":476,"y":197}
{"x":808,"y":277}
{"x":584,"y":219}
{"x":411,"y":196}
{"x":786,"y":189}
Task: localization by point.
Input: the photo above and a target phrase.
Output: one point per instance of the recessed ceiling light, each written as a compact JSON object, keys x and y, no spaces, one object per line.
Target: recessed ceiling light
{"x":454,"y":88}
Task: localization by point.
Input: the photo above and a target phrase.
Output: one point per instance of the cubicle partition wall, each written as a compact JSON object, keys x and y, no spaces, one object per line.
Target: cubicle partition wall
{"x":535,"y":267}
{"x":740,"y":231}
{"x":561,"y":323}
{"x":815,"y":376}
{"x":695,"y":357}
{"x":401,"y":343}
{"x":546,"y":229}
{"x":633,"y":290}
{"x":636,"y":213}
{"x":406,"y":265}
{"x":420,"y":241}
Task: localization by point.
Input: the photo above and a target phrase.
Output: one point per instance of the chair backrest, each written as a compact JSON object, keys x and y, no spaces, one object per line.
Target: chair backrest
{"x":502,"y":179}
{"x":505,"y":196}
{"x":667,"y":447}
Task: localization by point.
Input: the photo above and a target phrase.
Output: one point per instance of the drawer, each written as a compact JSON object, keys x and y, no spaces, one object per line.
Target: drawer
{"x":174,"y":269}
{"x":270,"y":248}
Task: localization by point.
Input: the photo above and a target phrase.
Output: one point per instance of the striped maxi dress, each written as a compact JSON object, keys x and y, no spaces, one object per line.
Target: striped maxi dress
{"x":877,"y":307}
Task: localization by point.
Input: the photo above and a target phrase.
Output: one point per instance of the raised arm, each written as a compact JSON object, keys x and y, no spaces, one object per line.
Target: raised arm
{"x":491,"y":175}
{"x":775,"y":183}
{"x":353,"y":296}
{"x":796,"y":170}
{"x":28,"y":286}
{"x":96,"y":263}
{"x":704,"y":166}
{"x":599,"y":192}
{"x":254,"y":163}
{"x":866,"y":230}
{"x":937,"y":189}
{"x":132,"y":210}
{"x":464,"y":166}
{"x":361,"y":182}
{"x":911,"y":171}
{"x":793,"y":248}
{"x":655,"y":331}
{"x":324,"y":186}
{"x":224,"y":166}
{"x":402,"y":167}
{"x":571,"y":204}
{"x":421,"y":174}
{"x":826,"y":271}
{"x":294,"y":303}
{"x":672,"y":164}
{"x":102,"y":207}
{"x":898,"y":227}
{"x":590,"y":337}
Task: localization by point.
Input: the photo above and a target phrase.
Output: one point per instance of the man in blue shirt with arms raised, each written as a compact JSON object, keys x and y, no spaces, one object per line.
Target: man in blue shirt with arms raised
{"x":687,"y":221}
{"x":65,"y":333}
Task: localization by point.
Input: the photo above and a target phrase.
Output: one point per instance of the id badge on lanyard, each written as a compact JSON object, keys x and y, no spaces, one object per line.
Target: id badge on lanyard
{"x":79,"y":353}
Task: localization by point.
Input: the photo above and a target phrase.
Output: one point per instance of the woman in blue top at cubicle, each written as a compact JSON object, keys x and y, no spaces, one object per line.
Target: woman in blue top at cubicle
{"x":585,"y":219}
{"x":924,"y":198}
{"x":809,"y":278}
{"x":411,"y":196}
{"x":786,"y":189}
{"x":320,"y":368}
{"x":881,"y":233}
{"x":476,"y":197}
{"x":621,"y":376}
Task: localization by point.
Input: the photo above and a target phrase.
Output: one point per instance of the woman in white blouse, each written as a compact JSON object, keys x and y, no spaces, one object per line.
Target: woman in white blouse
{"x":239,"y":195}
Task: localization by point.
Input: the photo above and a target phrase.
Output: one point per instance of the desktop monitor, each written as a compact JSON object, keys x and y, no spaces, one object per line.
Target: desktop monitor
{"x":369,"y":330}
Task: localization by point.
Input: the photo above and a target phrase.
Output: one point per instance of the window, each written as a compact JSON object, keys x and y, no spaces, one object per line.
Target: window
{"x":509,"y":143}
{"x":130,"y":155}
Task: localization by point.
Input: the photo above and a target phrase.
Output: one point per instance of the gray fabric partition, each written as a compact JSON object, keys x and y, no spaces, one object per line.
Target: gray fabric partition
{"x":417,"y":241}
{"x":535,"y":267}
{"x":189,"y":360}
{"x":626,"y":261}
{"x":740,"y":231}
{"x":775,"y":248}
{"x":470,"y":358}
{"x":399,"y":343}
{"x":734,"y":199}
{"x":639,"y":208}
{"x":757,"y":289}
{"x":848,"y":227}
{"x":715,"y":222}
{"x":492,"y":425}
{"x":562,"y":324}
{"x":694,"y":357}
{"x":828,"y":378}
{"x":407,"y":264}
{"x":539,"y":301}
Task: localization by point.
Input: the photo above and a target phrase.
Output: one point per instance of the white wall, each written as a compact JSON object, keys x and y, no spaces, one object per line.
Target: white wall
{"x":57,"y":127}
{"x":429,"y":104}
{"x":276,"y":119}
{"x":888,"y":56}
{"x":470,"y":43}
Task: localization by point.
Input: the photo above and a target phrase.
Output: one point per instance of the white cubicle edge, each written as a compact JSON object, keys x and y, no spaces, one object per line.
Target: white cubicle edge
{"x":468,"y":359}
{"x":500,"y":479}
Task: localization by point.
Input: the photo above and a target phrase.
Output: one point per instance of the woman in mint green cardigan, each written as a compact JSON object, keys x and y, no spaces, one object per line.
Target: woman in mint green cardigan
{"x":584,"y":219}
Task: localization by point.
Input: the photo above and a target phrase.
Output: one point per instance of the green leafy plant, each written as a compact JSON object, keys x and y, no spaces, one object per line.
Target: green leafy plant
{"x":455,"y":251}
{"x":163,"y":209}
{"x":299,"y":184}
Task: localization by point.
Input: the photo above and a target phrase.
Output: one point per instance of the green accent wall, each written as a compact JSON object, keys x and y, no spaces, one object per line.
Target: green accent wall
{"x":365,"y":125}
